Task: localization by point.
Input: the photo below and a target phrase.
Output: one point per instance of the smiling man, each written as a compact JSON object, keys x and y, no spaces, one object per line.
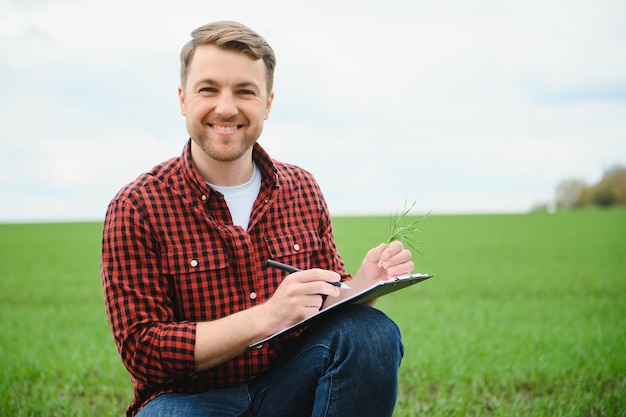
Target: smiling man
{"x":184,"y":273}
{"x":225,"y":99}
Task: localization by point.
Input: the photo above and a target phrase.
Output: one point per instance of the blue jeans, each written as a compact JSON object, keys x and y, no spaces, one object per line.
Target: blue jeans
{"x":345,"y":365}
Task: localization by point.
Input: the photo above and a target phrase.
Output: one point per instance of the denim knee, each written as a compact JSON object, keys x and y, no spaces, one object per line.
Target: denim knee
{"x":364,"y":328}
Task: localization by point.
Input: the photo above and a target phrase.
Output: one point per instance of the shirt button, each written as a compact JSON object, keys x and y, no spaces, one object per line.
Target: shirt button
{"x":193,"y":263}
{"x":203,"y":197}
{"x":259,"y":346}
{"x":253,"y":295}
{"x":296,"y":246}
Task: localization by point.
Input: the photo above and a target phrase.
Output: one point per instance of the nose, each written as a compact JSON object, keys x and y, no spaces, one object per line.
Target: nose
{"x":226,"y":106}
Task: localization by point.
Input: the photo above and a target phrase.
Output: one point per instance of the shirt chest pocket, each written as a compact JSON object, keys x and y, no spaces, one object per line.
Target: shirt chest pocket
{"x":197,"y":278}
{"x":189,"y":262}
{"x":297,"y":249}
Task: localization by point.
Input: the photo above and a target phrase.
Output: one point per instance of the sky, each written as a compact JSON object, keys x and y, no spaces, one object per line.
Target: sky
{"x":461,"y":106}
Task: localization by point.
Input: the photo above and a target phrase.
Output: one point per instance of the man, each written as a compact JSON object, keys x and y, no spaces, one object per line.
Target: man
{"x":184,"y":272}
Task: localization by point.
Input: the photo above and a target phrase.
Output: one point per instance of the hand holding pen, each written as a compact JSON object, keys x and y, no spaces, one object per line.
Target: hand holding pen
{"x":292,"y":269}
{"x":296,"y":297}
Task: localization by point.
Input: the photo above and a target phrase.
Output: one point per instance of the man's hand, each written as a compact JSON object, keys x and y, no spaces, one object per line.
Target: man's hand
{"x":300,"y":295}
{"x":394,"y":261}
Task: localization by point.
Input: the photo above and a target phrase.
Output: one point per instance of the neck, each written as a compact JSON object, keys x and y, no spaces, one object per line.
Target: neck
{"x":222,"y":173}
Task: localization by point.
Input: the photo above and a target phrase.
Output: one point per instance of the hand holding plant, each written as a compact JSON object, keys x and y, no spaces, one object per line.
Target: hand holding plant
{"x":404,"y":233}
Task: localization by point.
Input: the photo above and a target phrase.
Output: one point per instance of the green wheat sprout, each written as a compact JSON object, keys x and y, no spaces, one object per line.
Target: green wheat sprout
{"x":404,"y":232}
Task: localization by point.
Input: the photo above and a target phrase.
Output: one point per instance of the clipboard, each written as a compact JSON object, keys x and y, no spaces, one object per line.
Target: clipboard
{"x":375,"y":291}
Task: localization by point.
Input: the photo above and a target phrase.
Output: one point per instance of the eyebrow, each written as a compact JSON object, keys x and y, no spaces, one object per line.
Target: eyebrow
{"x":243,"y":84}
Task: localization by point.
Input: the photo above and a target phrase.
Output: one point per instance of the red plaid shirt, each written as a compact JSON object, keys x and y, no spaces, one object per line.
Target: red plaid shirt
{"x":171,"y":257}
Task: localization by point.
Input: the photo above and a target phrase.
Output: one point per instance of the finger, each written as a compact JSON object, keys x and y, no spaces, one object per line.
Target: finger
{"x":315,"y":282}
{"x":400,"y":269}
{"x":374,"y":254}
{"x":399,"y":264}
{"x":394,"y":247}
{"x":402,"y":256}
{"x":322,"y":288}
{"x":315,"y":274}
{"x":391,"y":250}
{"x":315,"y":302}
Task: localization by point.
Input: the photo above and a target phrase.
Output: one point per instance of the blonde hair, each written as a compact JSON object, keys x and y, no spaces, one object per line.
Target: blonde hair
{"x":232,"y":36}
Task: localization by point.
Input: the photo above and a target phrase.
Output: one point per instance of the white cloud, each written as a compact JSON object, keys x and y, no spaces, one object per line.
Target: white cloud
{"x":477,"y":106}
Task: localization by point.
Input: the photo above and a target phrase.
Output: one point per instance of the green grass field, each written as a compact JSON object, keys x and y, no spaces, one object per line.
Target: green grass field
{"x":526,"y":316}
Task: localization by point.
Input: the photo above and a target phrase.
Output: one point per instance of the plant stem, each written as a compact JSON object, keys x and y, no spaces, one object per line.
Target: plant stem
{"x":403,"y":233}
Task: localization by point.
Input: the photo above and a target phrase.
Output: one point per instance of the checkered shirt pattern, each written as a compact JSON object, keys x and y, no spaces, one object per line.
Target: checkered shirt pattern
{"x":171,"y":257}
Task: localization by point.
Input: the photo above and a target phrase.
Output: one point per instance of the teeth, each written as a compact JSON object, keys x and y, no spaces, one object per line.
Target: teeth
{"x":225,"y":128}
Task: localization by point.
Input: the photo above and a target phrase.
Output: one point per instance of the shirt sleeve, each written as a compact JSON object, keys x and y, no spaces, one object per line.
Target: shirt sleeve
{"x":154,"y":348}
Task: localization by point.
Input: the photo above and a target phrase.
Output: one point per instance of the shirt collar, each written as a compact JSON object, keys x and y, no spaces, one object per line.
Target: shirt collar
{"x":266,"y":165}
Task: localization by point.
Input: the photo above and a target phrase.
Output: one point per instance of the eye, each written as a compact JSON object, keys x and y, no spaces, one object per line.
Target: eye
{"x":207,"y":90}
{"x":245,"y":92}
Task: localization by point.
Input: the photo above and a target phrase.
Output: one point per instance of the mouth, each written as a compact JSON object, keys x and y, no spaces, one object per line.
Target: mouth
{"x":225,"y":128}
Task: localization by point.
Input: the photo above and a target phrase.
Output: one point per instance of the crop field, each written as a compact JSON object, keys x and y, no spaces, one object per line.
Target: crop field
{"x":526,"y":316}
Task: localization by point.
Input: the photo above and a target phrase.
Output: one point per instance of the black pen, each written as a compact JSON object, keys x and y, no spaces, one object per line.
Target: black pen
{"x":291,"y":269}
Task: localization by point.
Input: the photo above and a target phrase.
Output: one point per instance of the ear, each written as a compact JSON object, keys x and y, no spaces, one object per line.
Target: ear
{"x":268,"y":105}
{"x":181,"y":101}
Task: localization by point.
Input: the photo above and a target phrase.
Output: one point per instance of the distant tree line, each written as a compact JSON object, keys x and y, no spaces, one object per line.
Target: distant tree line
{"x":609,"y":191}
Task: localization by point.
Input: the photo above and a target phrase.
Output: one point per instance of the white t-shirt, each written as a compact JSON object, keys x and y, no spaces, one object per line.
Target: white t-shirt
{"x":240,"y":198}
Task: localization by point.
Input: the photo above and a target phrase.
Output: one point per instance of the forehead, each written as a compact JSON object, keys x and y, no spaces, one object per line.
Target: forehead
{"x":225,"y":66}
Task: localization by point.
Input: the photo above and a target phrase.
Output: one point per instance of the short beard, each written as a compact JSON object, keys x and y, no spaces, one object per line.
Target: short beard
{"x":219,"y":149}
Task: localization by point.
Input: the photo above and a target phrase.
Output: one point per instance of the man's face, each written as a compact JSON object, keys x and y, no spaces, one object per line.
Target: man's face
{"x":225,"y":102}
